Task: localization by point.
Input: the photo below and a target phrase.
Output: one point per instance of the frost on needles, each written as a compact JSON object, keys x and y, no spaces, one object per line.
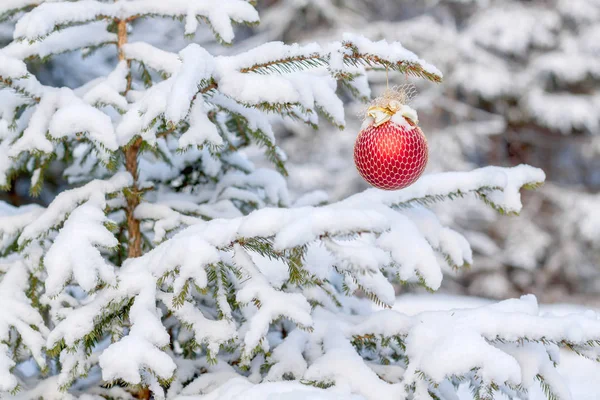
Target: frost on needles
{"x":175,"y":268}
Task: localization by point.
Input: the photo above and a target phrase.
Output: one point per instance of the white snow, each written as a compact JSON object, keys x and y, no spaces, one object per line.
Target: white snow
{"x":13,"y":220}
{"x":196,"y":69}
{"x":273,"y":303}
{"x":213,"y":333}
{"x":107,"y":91}
{"x":77,"y":117}
{"x":152,"y":57}
{"x":507,"y":180}
{"x":34,"y":136}
{"x":394,"y":52}
{"x":68,"y":39}
{"x":239,"y":388}
{"x":257,"y":120}
{"x":43,"y":19}
{"x":11,"y":67}
{"x":271,"y":53}
{"x":82,"y":231}
{"x":142,"y":115}
{"x":10,"y":5}
{"x":67,"y":201}
{"x":18,"y":313}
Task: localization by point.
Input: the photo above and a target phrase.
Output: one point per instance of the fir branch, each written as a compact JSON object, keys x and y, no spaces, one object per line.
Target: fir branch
{"x":87,"y":51}
{"x":11,"y":84}
{"x":318,"y":384}
{"x":287,"y":65}
{"x":346,"y":79}
{"x":449,"y":260}
{"x":43,"y":163}
{"x":240,"y":124}
{"x":428,"y":200}
{"x":329,"y":117}
{"x":61,"y":26}
{"x":546,"y":388}
{"x":356,"y":58}
{"x":580,"y":350}
{"x":7,"y":14}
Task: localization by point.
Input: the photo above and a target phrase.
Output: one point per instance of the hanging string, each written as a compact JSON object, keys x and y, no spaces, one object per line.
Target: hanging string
{"x":383,"y":107}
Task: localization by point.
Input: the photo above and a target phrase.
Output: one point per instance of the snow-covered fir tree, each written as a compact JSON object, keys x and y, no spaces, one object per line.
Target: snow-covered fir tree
{"x":175,"y":268}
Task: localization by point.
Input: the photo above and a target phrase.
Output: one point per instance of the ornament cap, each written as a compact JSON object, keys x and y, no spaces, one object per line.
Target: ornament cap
{"x":393,"y":103}
{"x":382,"y":114}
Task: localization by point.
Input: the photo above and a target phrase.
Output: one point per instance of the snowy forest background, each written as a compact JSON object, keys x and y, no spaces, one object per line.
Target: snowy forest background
{"x":521,"y":85}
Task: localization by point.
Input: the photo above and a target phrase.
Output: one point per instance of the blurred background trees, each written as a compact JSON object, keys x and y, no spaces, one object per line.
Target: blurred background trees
{"x":522,"y":84}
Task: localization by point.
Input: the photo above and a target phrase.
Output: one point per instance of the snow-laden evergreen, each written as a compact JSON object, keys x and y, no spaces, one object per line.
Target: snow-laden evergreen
{"x":175,"y":268}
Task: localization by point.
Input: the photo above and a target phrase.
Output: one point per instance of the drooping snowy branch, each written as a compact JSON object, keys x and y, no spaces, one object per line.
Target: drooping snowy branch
{"x":87,"y":36}
{"x":67,"y":201}
{"x":18,"y":314}
{"x":11,"y":7}
{"x":48,"y":17}
{"x":271,"y":77}
{"x":499,"y":359}
{"x":228,"y":252}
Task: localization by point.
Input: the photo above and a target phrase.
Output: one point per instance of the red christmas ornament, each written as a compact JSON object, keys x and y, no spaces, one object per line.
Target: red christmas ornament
{"x":391,"y":156}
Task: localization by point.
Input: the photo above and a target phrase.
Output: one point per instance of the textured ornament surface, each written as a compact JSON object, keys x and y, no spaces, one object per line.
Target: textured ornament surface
{"x":390,"y":156}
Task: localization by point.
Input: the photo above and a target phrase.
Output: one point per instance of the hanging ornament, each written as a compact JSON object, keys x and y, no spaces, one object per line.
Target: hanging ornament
{"x":391,"y":150}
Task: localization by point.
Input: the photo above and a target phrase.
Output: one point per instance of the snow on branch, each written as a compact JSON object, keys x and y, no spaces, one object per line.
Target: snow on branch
{"x":391,"y":355}
{"x":11,"y":68}
{"x":73,"y":116}
{"x":107,"y":90}
{"x":13,"y":220}
{"x":48,"y":17}
{"x":498,"y":187}
{"x":68,"y":201}
{"x":83,"y":231}
{"x":196,"y":71}
{"x":362,"y":239}
{"x":14,"y":76}
{"x":11,"y":7}
{"x":357,"y":50}
{"x":510,"y":344}
{"x":60,"y":113}
{"x":89,"y":36}
{"x":271,"y":303}
{"x":494,"y":28}
{"x":289,"y":79}
{"x":150,"y":56}
{"x":372,"y":212}
{"x":18,"y":313}
{"x":278,"y":57}
{"x":135,"y":299}
{"x":289,"y":61}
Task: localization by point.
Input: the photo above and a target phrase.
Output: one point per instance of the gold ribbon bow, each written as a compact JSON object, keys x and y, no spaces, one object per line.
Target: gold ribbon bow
{"x":381,"y":114}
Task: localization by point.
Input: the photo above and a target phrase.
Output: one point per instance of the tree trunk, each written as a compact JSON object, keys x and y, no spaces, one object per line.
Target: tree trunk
{"x":131,"y":163}
{"x":133,"y":197}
